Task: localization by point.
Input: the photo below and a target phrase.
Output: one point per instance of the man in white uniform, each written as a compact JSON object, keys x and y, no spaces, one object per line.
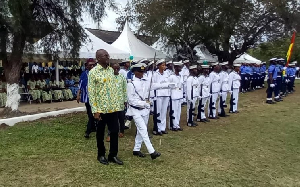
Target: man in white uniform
{"x":223,"y":89}
{"x":234,"y":85}
{"x":204,"y":83}
{"x":214,"y":90}
{"x":185,"y":73}
{"x":125,"y":69}
{"x":192,"y":87}
{"x":162,"y":97}
{"x":139,"y":109}
{"x":176,"y":97}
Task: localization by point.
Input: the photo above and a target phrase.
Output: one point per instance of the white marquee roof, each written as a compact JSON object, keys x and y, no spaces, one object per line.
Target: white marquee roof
{"x":138,"y":49}
{"x":246,"y":58}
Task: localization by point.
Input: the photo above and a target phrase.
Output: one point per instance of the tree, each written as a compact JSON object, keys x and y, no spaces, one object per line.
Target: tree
{"x":56,"y":21}
{"x":277,"y":48}
{"x":226,"y":28}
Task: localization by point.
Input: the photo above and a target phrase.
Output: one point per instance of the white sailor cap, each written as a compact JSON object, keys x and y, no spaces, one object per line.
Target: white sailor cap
{"x":138,"y":67}
{"x":263,"y":62}
{"x":143,"y":61}
{"x":150,"y":63}
{"x":193,"y":67}
{"x":160,"y":62}
{"x":224,"y":63}
{"x":178,"y":63}
{"x":236,"y":65}
{"x":273,"y":59}
{"x":205,"y":66}
{"x":214,"y":64}
{"x":169,"y":62}
{"x":186,"y":61}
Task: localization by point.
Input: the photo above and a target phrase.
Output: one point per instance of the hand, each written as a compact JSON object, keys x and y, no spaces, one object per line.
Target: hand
{"x":147,"y":106}
{"x":272,"y":85}
{"x":97,"y":116}
{"x":246,"y":78}
{"x":78,"y":99}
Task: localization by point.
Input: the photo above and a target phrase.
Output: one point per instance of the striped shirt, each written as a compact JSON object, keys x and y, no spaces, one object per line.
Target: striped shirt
{"x":83,"y":87}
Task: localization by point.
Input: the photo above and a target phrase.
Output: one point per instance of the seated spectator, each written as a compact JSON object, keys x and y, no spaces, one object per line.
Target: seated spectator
{"x":3,"y":96}
{"x":57,"y":92}
{"x":66,"y":92}
{"x":46,"y":93}
{"x":70,"y":83}
{"x":33,"y":89}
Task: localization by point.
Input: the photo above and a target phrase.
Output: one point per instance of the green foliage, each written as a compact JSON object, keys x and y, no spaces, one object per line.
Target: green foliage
{"x":226,"y":27}
{"x":277,"y":48}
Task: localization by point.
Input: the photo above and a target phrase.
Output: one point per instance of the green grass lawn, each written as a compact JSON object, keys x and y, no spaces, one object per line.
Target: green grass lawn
{"x":260,"y":146}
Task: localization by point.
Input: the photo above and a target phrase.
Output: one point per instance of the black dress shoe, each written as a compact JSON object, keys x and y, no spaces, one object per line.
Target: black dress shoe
{"x":174,"y":129}
{"x":87,"y":136}
{"x":115,"y":160}
{"x":155,"y":155}
{"x":206,"y":120}
{"x":179,"y":129}
{"x":102,"y":160}
{"x":139,"y":154}
{"x":159,"y":134}
{"x":203,"y":120}
{"x":164,"y":132}
{"x":195,"y":124}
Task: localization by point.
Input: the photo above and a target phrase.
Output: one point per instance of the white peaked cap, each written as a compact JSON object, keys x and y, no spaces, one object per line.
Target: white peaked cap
{"x":178,"y":63}
{"x":160,"y":61}
{"x":193,"y":67}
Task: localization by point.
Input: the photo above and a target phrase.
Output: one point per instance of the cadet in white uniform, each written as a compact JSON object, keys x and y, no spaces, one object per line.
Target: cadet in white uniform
{"x":139,"y":109}
{"x":214,"y":91}
{"x":176,"y":97}
{"x":185,"y":73}
{"x":192,"y":87}
{"x":234,"y":85}
{"x":124,"y":71}
{"x":162,"y":97}
{"x":224,"y":88}
{"x":204,"y":83}
{"x":170,"y":68}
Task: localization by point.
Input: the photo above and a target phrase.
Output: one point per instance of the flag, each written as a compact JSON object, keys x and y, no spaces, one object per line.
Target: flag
{"x":290,"y":51}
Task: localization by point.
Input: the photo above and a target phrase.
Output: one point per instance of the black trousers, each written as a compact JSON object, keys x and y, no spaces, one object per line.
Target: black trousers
{"x":121,"y":118}
{"x":91,"y":125}
{"x":111,"y":120}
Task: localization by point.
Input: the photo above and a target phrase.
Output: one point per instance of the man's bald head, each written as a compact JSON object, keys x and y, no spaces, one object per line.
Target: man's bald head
{"x":102,"y":57}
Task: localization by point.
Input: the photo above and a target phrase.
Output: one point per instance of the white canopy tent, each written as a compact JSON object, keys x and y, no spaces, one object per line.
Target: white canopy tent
{"x":129,"y":43}
{"x":160,"y":46}
{"x":204,"y":54}
{"x":246,"y":58}
{"x":88,"y":50}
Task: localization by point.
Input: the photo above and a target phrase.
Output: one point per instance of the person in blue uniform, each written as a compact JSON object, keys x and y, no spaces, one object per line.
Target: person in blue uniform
{"x":291,"y":72}
{"x":279,"y":68}
{"x":272,"y":72}
{"x":247,"y":77}
{"x":263,"y":69}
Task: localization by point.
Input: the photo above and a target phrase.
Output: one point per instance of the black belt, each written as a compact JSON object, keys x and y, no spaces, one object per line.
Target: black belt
{"x":135,"y":107}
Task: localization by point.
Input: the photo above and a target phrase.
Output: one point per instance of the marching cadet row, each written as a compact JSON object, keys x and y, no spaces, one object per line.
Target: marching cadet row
{"x":164,"y":89}
{"x":281,"y":80}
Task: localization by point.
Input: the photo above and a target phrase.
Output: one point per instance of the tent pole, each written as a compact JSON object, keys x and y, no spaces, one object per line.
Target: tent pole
{"x":57,"y":72}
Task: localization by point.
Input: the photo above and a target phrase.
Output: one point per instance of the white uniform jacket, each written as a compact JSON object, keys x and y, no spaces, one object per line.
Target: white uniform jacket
{"x":192,"y":85}
{"x":234,"y":80}
{"x":204,"y":82}
{"x":177,"y":92}
{"x":224,"y":78}
{"x":215,"y":82}
{"x":160,"y":79}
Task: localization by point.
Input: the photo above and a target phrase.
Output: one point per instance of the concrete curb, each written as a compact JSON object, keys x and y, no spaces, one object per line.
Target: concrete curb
{"x":13,"y":121}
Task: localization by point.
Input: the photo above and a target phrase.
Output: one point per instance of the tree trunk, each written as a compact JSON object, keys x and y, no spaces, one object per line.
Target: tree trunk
{"x":12,"y":68}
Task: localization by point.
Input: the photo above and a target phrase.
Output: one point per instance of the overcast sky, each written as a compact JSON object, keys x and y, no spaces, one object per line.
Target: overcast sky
{"x":109,"y":22}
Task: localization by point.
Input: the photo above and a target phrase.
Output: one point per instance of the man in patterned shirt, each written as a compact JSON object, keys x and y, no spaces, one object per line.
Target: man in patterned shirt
{"x":105,"y":106}
{"x":121,"y":83}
